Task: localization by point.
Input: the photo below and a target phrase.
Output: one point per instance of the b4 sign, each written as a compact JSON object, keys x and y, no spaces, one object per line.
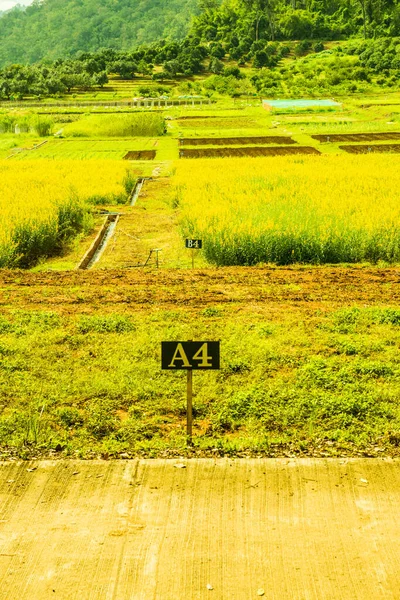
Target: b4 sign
{"x":190,"y":355}
{"x":195,"y":244}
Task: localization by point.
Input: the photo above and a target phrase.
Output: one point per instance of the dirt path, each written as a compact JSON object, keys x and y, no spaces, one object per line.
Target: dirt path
{"x":149,"y":530}
{"x":148,"y":225}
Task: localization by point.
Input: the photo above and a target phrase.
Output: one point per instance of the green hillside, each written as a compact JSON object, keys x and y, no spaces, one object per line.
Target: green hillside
{"x":241,"y":29}
{"x":54,"y":28}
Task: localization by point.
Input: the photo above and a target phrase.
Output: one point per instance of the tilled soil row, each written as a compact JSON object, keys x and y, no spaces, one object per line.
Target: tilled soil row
{"x":140,"y":155}
{"x":376,"y":148}
{"x":108,"y":290}
{"x":282,"y":139}
{"x":249,"y":151}
{"x":357,"y":137}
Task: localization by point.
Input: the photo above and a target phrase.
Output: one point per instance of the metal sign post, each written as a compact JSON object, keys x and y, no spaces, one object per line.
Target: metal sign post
{"x":190,"y":356}
{"x":193,"y":245}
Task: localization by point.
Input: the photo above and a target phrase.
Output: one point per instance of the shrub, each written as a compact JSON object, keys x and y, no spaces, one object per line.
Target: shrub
{"x":43,"y":126}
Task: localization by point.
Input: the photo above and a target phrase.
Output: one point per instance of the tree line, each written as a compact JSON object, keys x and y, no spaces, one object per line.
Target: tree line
{"x":248,"y":32}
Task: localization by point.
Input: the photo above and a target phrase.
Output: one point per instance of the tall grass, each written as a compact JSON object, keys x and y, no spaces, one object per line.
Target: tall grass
{"x":43,"y":126}
{"x":134,"y":125}
{"x":24,"y":123}
{"x":47,"y":203}
{"x":327,"y":209}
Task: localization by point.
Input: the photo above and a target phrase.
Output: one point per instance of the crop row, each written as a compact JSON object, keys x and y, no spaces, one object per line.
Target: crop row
{"x":47,"y":203}
{"x":326,"y":209}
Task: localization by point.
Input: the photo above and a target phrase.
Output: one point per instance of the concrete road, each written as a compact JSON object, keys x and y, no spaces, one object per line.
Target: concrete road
{"x":280,"y":529}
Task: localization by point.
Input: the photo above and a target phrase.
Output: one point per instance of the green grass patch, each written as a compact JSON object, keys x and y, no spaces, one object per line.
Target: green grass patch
{"x":144,"y":124}
{"x":282,"y":385}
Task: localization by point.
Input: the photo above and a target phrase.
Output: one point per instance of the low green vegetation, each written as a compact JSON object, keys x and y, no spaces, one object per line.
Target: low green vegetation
{"x":327,"y":382}
{"x":132,"y":125}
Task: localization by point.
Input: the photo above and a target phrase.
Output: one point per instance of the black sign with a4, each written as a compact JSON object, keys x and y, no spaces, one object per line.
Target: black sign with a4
{"x":195,"y":244}
{"x":190,"y":355}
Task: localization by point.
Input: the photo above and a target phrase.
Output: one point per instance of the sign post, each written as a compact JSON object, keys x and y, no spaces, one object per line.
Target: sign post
{"x":193,"y":245}
{"x":189,"y":405}
{"x":190,"y":356}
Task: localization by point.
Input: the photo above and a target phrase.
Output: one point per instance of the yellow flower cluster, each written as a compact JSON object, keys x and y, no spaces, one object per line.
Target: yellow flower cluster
{"x":292,"y":209}
{"x":32,"y":192}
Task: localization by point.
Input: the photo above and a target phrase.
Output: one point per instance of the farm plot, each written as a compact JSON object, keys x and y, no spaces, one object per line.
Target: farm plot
{"x":45,"y":204}
{"x":357,"y":137}
{"x":140,"y":155}
{"x":236,"y":141}
{"x":289,"y":210}
{"x":217,"y":122}
{"x":310,"y":362}
{"x":116,"y":126}
{"x":88,"y":149}
{"x":246,"y":151}
{"x":374,"y":148}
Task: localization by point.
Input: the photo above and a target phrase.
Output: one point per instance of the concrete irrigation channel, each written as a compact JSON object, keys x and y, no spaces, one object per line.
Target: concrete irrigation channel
{"x":96,"y":250}
{"x":93,"y":255}
{"x":137,"y":189}
{"x":227,"y":529}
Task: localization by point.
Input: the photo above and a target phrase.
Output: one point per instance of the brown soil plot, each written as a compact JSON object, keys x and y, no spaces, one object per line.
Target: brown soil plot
{"x":357,"y":137}
{"x":273,"y":289}
{"x":140,"y":155}
{"x":222,"y":122}
{"x":251,"y":151}
{"x":393,"y":148}
{"x":277,"y":139}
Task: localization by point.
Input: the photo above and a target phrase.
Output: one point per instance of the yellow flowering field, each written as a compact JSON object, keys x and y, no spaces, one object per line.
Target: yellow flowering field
{"x":323,"y":209}
{"x":44,"y":203}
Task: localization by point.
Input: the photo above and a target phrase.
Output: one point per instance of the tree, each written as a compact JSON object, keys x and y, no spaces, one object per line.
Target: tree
{"x":363,"y":4}
{"x":100,"y":78}
{"x":261,"y":9}
{"x":124,"y":68}
{"x":208,"y":5}
{"x":216,"y":66}
{"x":144,"y":68}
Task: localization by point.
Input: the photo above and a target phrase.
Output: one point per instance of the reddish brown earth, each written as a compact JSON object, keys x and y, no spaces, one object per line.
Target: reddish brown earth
{"x":381,"y":148}
{"x":140,"y":155}
{"x":357,"y":137}
{"x":236,"y":141}
{"x":251,"y":151}
{"x":278,"y":288}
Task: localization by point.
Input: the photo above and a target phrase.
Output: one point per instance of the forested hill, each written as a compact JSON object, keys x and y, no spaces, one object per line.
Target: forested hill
{"x":51,"y":29}
{"x":244,"y":21}
{"x":58,"y":28}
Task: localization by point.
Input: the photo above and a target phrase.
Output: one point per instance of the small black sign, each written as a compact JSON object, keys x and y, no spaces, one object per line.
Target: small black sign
{"x":195,"y":244}
{"x":190,"y":355}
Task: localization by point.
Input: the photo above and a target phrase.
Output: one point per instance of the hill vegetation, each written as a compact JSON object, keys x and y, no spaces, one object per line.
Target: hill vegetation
{"x":290,"y":69}
{"x":284,"y":43}
{"x":50,"y":29}
{"x":53,"y":28}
